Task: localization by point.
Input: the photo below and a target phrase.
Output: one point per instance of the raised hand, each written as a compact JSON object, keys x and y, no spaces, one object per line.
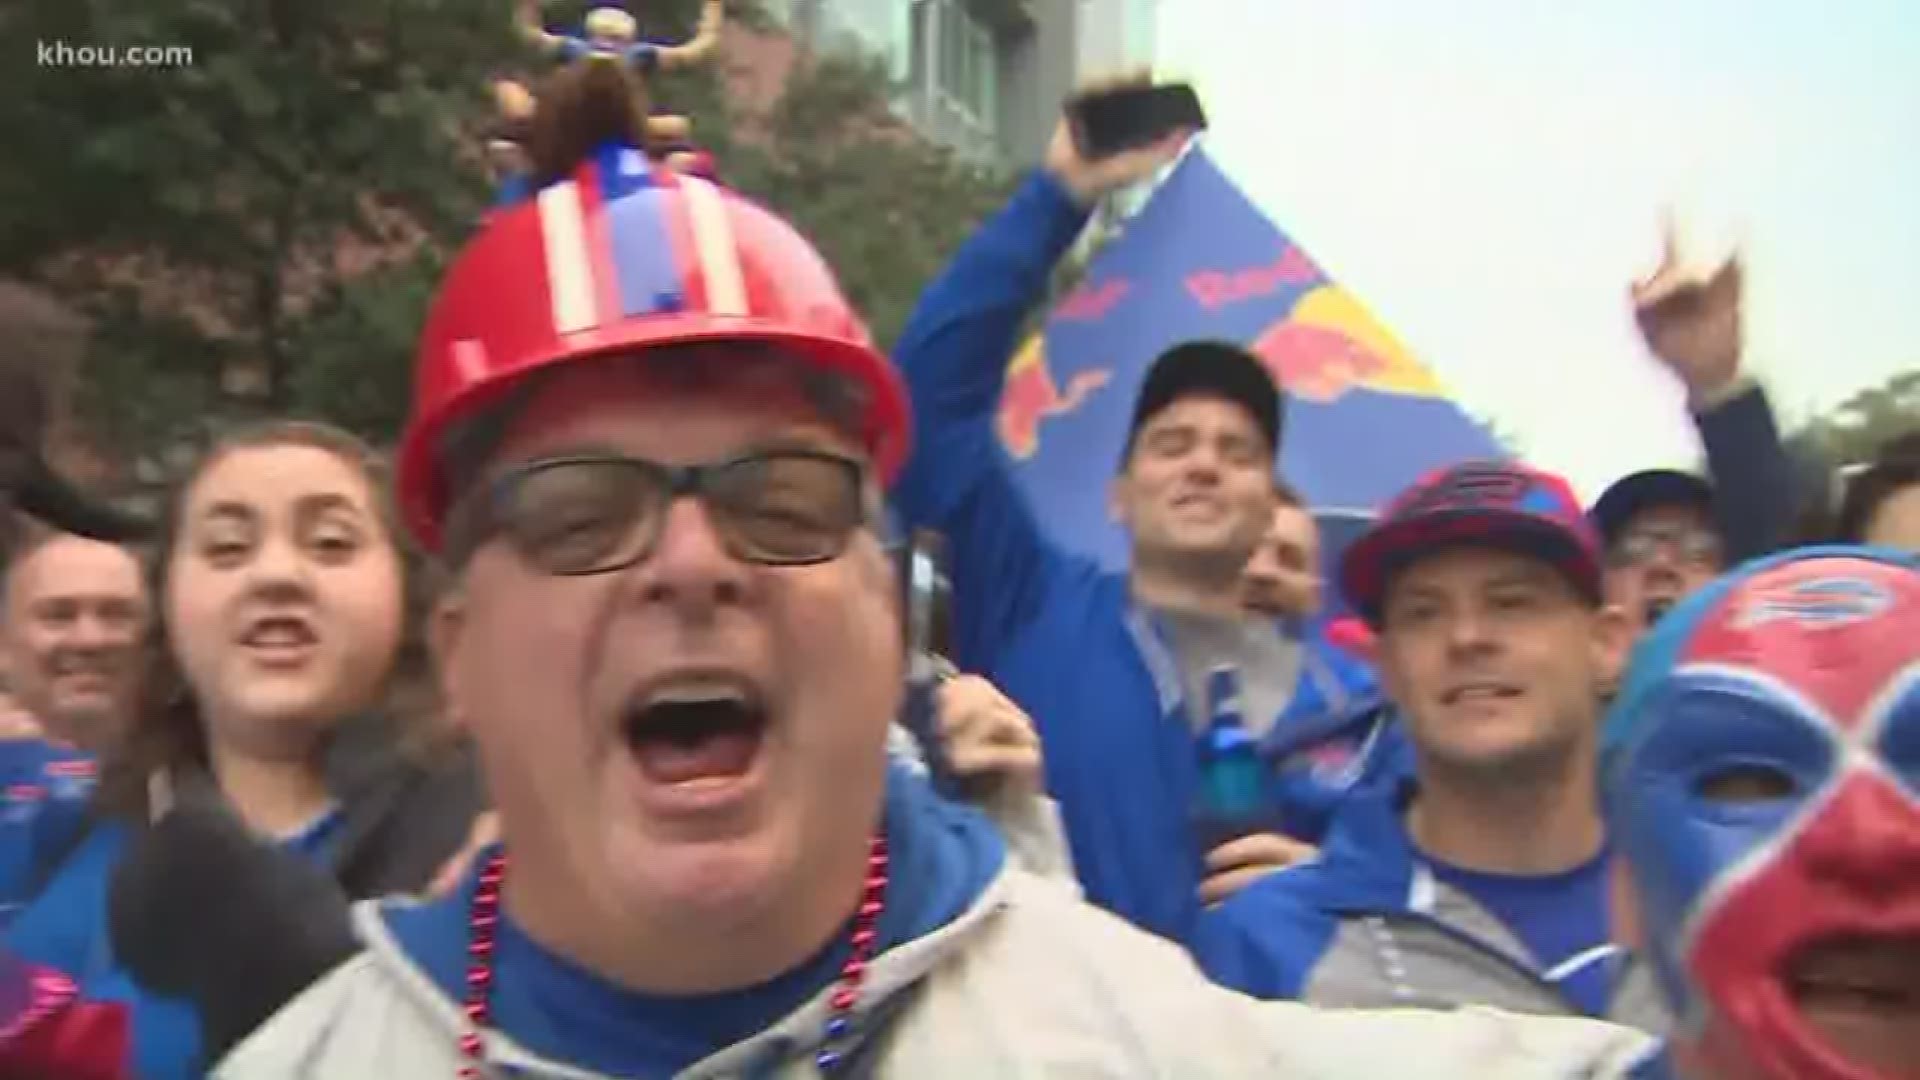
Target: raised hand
{"x":989,"y":740}
{"x":1691,"y":323}
{"x":1089,"y":181}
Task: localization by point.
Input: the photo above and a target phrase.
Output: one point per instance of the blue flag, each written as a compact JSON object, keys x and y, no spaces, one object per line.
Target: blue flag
{"x":1363,"y":420}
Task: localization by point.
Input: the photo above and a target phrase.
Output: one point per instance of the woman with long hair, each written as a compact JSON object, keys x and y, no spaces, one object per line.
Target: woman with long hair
{"x":287,"y":682}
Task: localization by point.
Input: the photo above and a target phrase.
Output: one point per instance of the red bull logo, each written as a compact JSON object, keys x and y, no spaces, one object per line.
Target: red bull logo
{"x":1328,"y":344}
{"x":1032,"y":395}
{"x":1090,"y":301}
{"x":1217,"y":288}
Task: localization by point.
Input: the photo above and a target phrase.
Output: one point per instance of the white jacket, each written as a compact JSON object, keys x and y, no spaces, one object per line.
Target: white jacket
{"x":1030,"y":982}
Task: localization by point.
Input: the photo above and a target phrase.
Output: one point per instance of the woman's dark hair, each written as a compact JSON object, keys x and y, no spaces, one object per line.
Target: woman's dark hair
{"x":1894,"y":468}
{"x":167,"y":730}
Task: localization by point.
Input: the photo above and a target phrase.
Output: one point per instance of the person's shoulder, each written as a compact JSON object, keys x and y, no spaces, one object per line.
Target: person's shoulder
{"x":1267,"y":937}
{"x":358,"y":1019}
{"x":1048,"y":977}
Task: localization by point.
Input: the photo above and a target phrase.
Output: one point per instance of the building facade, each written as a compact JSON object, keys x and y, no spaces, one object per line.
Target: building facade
{"x":985,"y":77}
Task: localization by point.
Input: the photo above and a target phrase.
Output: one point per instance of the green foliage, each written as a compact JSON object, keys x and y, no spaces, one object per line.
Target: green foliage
{"x":209,"y":213}
{"x":886,"y":207}
{"x":284,"y":204}
{"x":1854,"y":430}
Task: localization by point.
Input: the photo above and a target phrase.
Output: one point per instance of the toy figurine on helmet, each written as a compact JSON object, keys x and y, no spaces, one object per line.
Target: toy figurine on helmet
{"x":1761,"y":778}
{"x":612,"y":252}
{"x":610,"y":43}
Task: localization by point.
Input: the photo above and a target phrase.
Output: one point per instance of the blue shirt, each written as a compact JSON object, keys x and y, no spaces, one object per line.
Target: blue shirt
{"x":1561,"y":918}
{"x":44,"y":791}
{"x":66,"y":928}
{"x":941,"y":857}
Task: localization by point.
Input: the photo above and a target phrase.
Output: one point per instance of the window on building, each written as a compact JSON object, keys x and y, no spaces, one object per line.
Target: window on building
{"x":954,"y":71}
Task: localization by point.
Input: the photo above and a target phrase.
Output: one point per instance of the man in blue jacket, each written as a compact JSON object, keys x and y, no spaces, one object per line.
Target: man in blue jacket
{"x":1482,"y":880}
{"x":72,"y":608}
{"x":1108,"y":664}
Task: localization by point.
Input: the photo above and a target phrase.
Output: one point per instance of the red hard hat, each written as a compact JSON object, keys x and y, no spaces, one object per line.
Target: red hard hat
{"x":626,"y":256}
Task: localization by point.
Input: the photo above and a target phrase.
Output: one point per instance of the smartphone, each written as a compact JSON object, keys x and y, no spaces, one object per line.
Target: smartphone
{"x":1105,"y":122}
{"x":928,"y":609}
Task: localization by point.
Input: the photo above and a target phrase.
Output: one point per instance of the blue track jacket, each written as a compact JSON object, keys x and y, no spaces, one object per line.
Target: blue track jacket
{"x":1059,"y":634}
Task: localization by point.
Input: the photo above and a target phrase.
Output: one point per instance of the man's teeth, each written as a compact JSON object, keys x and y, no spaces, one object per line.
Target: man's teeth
{"x":1471,"y":693}
{"x":697,"y":696}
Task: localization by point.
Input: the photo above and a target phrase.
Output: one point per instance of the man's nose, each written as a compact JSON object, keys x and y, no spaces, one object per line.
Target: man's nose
{"x":1469,"y":631}
{"x":1868,"y":837}
{"x":690,"y":564}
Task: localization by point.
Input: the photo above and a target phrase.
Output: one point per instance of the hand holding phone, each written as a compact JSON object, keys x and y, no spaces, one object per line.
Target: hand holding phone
{"x":1109,"y":121}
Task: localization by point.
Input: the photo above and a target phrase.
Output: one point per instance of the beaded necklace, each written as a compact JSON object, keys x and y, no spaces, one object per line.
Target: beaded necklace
{"x":483,"y":925}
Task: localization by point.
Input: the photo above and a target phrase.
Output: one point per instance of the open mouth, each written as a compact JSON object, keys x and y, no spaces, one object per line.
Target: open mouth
{"x":1205,"y":504}
{"x":1862,"y":994}
{"x":1479,"y":692}
{"x":1657,"y":607}
{"x":694,"y":732}
{"x":280,"y":635}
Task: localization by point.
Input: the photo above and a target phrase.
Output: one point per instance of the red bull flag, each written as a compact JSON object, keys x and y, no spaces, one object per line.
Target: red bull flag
{"x":1364,"y":418}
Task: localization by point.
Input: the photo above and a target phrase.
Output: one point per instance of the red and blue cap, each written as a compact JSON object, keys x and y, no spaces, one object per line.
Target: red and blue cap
{"x":622,"y":256}
{"x":1498,"y":504}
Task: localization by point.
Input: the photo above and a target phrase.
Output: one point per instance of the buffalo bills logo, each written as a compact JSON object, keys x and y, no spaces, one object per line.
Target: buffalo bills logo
{"x":1822,"y":603}
{"x":1334,"y":763}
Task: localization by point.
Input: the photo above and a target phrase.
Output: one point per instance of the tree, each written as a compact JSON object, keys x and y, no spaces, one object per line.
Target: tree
{"x":1854,"y":430}
{"x":260,"y":231}
{"x":217,"y":220}
{"x":886,"y":206}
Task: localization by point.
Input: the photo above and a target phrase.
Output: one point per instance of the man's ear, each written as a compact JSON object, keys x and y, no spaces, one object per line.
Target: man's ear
{"x":446,"y":628}
{"x":1117,"y":492}
{"x":1613,"y":639}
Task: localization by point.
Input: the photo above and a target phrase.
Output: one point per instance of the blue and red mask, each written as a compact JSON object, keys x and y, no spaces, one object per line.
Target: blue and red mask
{"x":1762,"y":779}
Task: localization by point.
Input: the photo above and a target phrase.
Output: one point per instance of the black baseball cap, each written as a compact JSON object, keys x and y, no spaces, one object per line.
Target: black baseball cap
{"x":1217,"y":368}
{"x":1643,"y":490}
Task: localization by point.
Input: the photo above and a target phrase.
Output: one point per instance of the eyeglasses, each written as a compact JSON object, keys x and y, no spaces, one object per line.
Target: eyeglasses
{"x":1691,"y":547}
{"x":596,"y":514}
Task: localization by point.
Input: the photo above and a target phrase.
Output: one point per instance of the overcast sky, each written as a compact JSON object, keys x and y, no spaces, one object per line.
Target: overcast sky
{"x":1488,"y":175}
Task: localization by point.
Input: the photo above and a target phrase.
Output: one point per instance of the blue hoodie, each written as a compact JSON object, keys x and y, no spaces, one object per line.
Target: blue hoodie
{"x":1060,"y":635}
{"x":1371,"y":923}
{"x":942,"y":858}
{"x":66,"y":928}
{"x":44,"y":794}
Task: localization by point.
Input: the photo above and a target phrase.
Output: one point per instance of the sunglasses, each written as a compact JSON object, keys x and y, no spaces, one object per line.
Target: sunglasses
{"x":594,"y":514}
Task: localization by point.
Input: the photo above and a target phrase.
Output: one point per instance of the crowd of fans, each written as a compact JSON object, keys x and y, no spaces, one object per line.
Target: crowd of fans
{"x":612,"y":779}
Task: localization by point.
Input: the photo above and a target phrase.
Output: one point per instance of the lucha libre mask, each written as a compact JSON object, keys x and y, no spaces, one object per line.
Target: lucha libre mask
{"x":1762,"y":779}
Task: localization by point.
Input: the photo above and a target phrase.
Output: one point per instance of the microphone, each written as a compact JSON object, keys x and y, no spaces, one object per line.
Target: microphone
{"x":202,"y":909}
